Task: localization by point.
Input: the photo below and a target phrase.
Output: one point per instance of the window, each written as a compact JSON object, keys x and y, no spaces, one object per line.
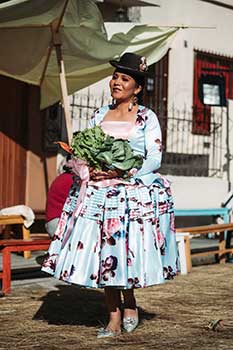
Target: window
{"x":53,"y":127}
{"x":212,"y":90}
{"x":211,"y":68}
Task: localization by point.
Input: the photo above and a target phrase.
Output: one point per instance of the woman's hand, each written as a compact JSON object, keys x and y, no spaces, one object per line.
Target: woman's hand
{"x":132,"y":172}
{"x":98,"y":175}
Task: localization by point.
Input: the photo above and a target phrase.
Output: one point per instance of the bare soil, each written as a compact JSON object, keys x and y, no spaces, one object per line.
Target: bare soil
{"x":173,"y":316}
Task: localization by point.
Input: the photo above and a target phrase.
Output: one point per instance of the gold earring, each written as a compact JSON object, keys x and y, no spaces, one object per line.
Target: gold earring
{"x":135,"y":100}
{"x":132,"y":103}
{"x":130,"y":107}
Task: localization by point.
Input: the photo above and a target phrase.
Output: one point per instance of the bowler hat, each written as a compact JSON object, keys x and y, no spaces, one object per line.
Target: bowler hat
{"x":131,"y":63}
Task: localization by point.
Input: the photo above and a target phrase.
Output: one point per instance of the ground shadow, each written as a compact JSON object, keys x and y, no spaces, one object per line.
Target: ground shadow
{"x":77,"y":306}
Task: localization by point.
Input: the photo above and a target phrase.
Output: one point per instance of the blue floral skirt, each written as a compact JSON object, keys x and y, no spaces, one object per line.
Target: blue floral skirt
{"x":122,"y":237}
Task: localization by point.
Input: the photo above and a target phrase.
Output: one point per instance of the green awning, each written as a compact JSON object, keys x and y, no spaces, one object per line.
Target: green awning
{"x":26,"y":35}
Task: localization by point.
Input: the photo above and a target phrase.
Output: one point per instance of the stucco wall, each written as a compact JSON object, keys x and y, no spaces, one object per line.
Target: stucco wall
{"x":41,"y":169}
{"x":191,"y":192}
{"x":197,"y":192}
{"x":210,"y":30}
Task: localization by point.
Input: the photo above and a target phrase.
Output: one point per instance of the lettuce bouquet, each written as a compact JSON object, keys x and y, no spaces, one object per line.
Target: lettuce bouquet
{"x":103,"y":152}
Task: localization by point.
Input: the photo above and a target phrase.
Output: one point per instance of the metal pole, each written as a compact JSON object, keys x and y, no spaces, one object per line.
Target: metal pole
{"x":65,"y":98}
{"x":228,"y":154}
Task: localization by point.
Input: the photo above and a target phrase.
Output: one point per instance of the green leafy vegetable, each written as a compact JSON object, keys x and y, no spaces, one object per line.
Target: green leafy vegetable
{"x":103,"y":151}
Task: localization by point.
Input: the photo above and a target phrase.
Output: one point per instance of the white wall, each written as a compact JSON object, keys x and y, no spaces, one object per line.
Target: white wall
{"x":191,"y":192}
{"x":197,"y":192}
{"x":193,"y":13}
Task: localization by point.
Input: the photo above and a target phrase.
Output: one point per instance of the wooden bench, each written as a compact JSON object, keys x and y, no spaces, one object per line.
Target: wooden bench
{"x":222,"y":250}
{"x":7,"y":246}
{"x":13,"y":220}
{"x":39,"y":214}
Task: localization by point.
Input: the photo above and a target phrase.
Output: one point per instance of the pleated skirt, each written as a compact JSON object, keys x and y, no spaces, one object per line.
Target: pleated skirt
{"x":121,"y":236}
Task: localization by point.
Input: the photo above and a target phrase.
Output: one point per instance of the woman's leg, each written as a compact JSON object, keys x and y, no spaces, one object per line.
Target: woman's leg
{"x":129,"y":303}
{"x":113,"y":301}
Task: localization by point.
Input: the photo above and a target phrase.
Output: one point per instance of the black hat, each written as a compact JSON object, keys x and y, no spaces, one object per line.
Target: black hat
{"x":131,"y":63}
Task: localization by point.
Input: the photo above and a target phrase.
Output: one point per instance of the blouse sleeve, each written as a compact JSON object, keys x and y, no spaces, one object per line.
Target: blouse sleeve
{"x":153,"y":146}
{"x":92,"y":121}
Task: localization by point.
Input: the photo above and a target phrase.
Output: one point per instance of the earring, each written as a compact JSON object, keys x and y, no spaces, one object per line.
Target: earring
{"x":113,"y":103}
{"x":132,"y":103}
{"x":135,"y":100}
{"x":130,"y":107}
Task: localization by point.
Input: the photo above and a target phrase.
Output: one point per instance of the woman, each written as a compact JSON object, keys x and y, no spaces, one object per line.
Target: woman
{"x":123,"y":237}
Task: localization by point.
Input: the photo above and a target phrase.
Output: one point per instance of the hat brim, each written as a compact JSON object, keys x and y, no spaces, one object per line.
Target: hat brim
{"x":116,"y":64}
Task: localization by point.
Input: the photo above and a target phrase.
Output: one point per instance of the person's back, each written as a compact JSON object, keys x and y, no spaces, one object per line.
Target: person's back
{"x":56,"y":197}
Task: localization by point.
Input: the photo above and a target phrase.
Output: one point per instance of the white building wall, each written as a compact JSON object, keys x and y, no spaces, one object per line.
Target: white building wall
{"x":197,"y":192}
{"x":194,"y":192}
{"x":210,"y":30}
{"x":215,"y":35}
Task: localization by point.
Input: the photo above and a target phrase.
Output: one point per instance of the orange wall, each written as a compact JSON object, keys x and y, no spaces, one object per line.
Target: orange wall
{"x":41,"y":169}
{"x":13,"y":141}
{"x":35,"y":180}
{"x":25,"y":170}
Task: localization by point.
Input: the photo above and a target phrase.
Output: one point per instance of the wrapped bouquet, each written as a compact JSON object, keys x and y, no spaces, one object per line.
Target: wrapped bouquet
{"x":103,"y":152}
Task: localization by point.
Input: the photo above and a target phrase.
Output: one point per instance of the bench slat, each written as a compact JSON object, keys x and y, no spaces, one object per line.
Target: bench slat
{"x":212,"y":252}
{"x":206,"y":228}
{"x":19,"y":242}
{"x":11,"y":219}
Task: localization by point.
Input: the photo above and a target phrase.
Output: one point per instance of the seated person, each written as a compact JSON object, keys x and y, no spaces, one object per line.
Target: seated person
{"x":56,"y":198}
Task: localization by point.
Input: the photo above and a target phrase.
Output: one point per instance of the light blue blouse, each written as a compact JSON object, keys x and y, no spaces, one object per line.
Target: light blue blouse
{"x":144,"y":138}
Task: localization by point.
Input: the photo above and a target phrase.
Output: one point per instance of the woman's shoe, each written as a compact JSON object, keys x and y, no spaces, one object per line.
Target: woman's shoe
{"x":130,"y":323}
{"x":107,"y":333}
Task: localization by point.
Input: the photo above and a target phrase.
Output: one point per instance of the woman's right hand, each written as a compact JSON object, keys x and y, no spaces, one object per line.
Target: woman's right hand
{"x":98,"y":175}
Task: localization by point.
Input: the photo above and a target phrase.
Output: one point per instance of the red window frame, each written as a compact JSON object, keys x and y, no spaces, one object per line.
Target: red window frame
{"x":214,"y":65}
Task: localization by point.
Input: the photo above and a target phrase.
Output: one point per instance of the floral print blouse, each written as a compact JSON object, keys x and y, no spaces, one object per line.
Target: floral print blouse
{"x":144,"y":138}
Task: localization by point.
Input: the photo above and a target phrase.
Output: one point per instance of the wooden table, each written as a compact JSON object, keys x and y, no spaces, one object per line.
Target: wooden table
{"x":13,"y":220}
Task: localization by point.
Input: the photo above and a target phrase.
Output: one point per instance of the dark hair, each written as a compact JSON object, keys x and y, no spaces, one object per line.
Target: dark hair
{"x":140,"y":97}
{"x":139,"y":79}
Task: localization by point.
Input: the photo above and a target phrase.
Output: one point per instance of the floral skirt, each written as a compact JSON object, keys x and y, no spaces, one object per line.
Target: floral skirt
{"x":122,"y":237}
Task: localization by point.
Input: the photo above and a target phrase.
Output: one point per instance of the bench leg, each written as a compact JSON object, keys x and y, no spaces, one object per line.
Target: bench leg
{"x":188,"y":253}
{"x":26,"y":236}
{"x":228,"y":244}
{"x":222,"y":246}
{"x":181,"y":250}
{"x":6,"y":267}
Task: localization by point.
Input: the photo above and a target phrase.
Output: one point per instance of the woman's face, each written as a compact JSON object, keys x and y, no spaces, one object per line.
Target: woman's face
{"x":123,"y":86}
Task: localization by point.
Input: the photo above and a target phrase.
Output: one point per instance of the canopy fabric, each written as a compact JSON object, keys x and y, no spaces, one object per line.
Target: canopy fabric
{"x":130,"y":3}
{"x":87,"y":46}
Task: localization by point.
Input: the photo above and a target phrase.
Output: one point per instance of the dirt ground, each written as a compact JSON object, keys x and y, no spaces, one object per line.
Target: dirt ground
{"x":173,"y":316}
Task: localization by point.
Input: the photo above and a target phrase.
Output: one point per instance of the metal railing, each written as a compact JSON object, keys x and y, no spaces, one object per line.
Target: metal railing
{"x":188,"y":152}
{"x":184,"y":152}
{"x":83,"y":107}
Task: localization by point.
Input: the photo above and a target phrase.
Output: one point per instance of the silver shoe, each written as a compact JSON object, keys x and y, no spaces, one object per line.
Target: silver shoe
{"x":107,"y":333}
{"x":130,"y":323}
